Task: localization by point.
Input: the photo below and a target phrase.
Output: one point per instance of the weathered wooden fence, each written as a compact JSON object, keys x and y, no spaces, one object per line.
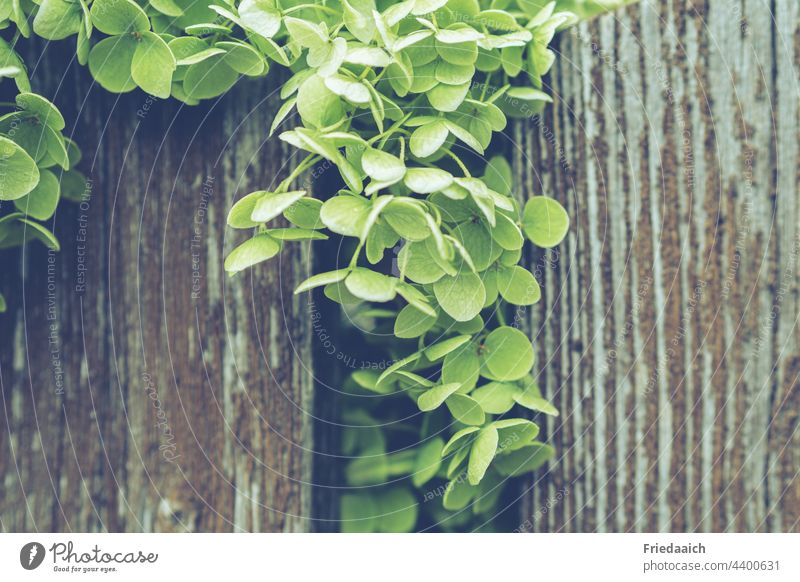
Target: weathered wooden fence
{"x":669,"y":329}
{"x":144,"y":390}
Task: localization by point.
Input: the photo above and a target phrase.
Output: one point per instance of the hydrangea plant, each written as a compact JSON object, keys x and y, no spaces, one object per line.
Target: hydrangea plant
{"x":403,"y":98}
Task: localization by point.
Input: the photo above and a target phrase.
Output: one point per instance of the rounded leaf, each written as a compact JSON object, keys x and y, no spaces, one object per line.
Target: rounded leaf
{"x":119,"y":16}
{"x":253,"y":251}
{"x":507,"y":354}
{"x":481,"y":454}
{"x":18,"y":172}
{"x":345,"y":214}
{"x":411,"y":322}
{"x":271,"y":204}
{"x":110,"y":63}
{"x":41,"y":202}
{"x":152,"y":65}
{"x":518,"y":286}
{"x":44,"y":111}
{"x":461,"y":296}
{"x":371,"y":286}
{"x":545,"y":221}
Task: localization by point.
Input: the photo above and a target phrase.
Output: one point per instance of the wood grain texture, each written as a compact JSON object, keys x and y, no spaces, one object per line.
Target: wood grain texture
{"x":668,"y":334}
{"x":143,"y":389}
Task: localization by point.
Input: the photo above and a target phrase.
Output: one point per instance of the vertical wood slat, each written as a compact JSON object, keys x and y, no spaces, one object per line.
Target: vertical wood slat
{"x":668,"y":334}
{"x":186,"y":394}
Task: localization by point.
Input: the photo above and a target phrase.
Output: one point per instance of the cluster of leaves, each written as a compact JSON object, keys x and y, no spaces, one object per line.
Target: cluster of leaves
{"x":36,"y":159}
{"x":403,"y":98}
{"x":404,"y":101}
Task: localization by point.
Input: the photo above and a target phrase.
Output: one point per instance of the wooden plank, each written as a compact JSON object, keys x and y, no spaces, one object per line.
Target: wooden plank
{"x":183,"y":394}
{"x":668,"y":334}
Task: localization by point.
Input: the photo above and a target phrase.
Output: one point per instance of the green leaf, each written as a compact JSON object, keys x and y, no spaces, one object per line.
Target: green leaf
{"x":480,"y":196}
{"x":318,"y":106}
{"x":527,"y":94}
{"x":507,"y":233}
{"x":411,"y":322}
{"x":524,"y":460}
{"x":41,"y":202}
{"x":477,"y":240}
{"x":57,"y":19}
{"x":243,"y":58}
{"x":209,"y":78}
{"x":531,"y":398}
{"x":152,"y":66}
{"x":371,"y":286}
{"x":422,"y":7}
{"x":240,"y":212}
{"x":345,"y":214}
{"x":352,"y":90}
{"x":462,"y":367}
{"x":189,"y":50}
{"x":56,"y":147}
{"x":462,"y":296}
{"x":305,"y":213}
{"x":447,"y":98}
{"x":427,"y":462}
{"x":465,"y":409}
{"x":295,"y":234}
{"x":110,"y":63}
{"x":498,"y":175}
{"x":357,"y":16}
{"x":119,"y":17}
{"x":434,"y":397}
{"x":481,"y":454}
{"x":458,"y":439}
{"x":442,"y":348}
{"x":368,"y":470}
{"x":507,"y":354}
{"x":416,"y":263}
{"x":518,"y":286}
{"x":452,"y":74}
{"x":458,"y":35}
{"x":307,"y":34}
{"x":271,"y":204}
{"x":358,"y":513}
{"x":168,"y":7}
{"x":545,"y":221}
{"x":251,"y":252}
{"x":382,"y":166}
{"x":41,"y":233}
{"x":428,"y":139}
{"x":18,"y":172}
{"x":458,"y":494}
{"x":260,"y":16}
{"x":427,"y":180}
{"x":465,"y":136}
{"x":322,"y":279}
{"x":515,"y":433}
{"x":496,"y":397}
{"x":45,"y":112}
{"x":397,"y":510}
{"x":407,"y":218}
{"x":367,"y":56}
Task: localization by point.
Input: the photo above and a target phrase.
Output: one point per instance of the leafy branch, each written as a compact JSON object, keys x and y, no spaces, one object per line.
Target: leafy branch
{"x":403,"y":98}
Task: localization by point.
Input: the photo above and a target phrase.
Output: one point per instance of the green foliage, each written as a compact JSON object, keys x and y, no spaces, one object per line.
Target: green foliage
{"x":36,"y":159}
{"x":403,"y":98}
